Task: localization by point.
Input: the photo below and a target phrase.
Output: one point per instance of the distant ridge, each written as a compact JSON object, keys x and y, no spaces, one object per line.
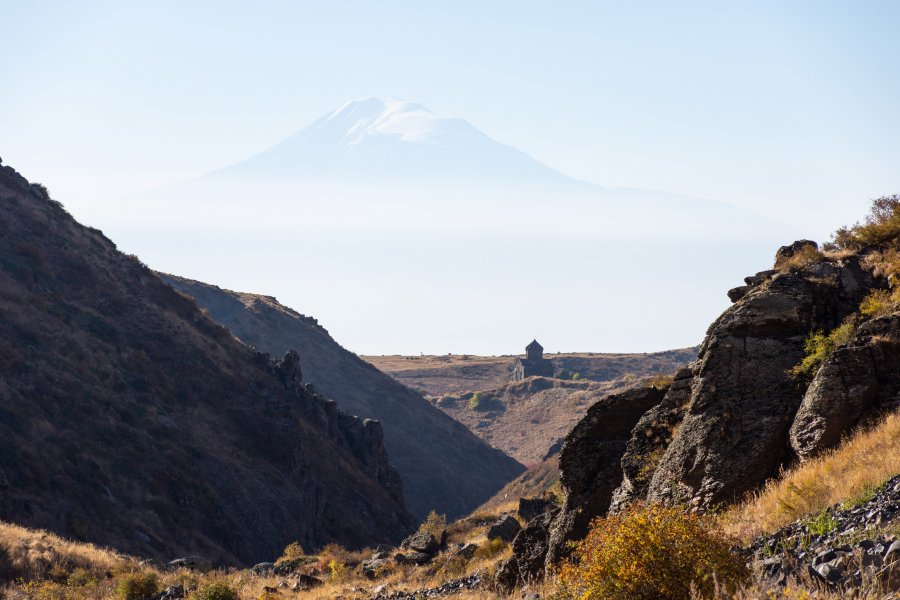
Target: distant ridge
{"x":444,"y":466}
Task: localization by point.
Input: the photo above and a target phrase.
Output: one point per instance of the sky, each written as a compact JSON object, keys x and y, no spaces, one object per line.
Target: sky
{"x":786,"y":108}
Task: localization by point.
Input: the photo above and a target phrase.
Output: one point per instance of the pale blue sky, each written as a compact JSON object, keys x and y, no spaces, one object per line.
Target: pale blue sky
{"x":789,"y":108}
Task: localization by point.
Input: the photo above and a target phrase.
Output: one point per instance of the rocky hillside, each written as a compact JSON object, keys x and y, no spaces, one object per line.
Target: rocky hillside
{"x":528,"y":419}
{"x":456,"y":374}
{"x":131,"y":419}
{"x":444,"y":467}
{"x":808,"y":351}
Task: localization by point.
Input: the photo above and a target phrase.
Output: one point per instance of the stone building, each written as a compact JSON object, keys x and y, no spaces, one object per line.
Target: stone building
{"x":533,"y":365}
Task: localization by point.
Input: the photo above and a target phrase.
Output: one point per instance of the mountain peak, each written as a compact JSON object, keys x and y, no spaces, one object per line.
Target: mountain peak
{"x":391,"y":140}
{"x":399,"y":119}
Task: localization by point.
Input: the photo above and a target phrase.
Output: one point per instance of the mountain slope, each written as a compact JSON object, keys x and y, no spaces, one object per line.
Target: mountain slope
{"x":444,"y":467}
{"x":130,"y":419}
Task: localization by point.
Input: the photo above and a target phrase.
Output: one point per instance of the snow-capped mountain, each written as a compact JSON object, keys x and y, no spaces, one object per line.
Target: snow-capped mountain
{"x":386,"y":139}
{"x":390,"y":163}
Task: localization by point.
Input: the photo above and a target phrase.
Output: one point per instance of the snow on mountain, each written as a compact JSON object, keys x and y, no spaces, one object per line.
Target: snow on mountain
{"x":387,"y":139}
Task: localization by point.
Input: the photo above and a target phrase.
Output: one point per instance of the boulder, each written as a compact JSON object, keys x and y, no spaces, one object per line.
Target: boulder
{"x":529,"y":508}
{"x":856,"y":382}
{"x":735,"y":294}
{"x":373,"y":567}
{"x":507,"y":576}
{"x":791,"y":250}
{"x":173,"y":592}
{"x":762,"y":276}
{"x":590,"y":463}
{"x":467,"y":551}
{"x":505,"y":528}
{"x":735,"y":430}
{"x":419,"y":558}
{"x":192,"y":563}
{"x":530,"y":549}
{"x":263,"y":568}
{"x":422,"y":542}
{"x":306,"y":582}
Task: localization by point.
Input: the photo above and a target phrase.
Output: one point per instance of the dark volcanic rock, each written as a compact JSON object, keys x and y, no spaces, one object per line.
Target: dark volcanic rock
{"x":507,"y":576}
{"x":192,"y":563}
{"x":855,"y":382}
{"x":421,"y":542}
{"x":530,"y":508}
{"x":735,"y":294}
{"x":791,"y":250}
{"x":530,"y":549}
{"x":590,"y":463}
{"x":504,"y":529}
{"x":735,"y":431}
{"x":841,"y":558}
{"x":650,"y":438}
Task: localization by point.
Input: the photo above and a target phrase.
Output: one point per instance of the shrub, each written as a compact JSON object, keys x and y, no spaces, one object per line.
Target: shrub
{"x":434,"y":524}
{"x":881,"y":226}
{"x":651,"y":552}
{"x":216,"y":590}
{"x":292,"y":551}
{"x":879,"y":303}
{"x":338,"y":570}
{"x":475,"y":402}
{"x":819,"y":346}
{"x":137,"y":586}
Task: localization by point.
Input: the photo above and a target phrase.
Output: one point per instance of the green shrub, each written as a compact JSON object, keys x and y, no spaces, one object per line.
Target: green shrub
{"x":475,"y":402}
{"x":819,"y":346}
{"x":137,"y":586}
{"x":651,"y":552}
{"x":215,"y":591}
{"x":821,"y":523}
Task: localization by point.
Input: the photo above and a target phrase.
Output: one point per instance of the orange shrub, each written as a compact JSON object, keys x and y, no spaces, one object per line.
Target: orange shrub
{"x":651,"y":552}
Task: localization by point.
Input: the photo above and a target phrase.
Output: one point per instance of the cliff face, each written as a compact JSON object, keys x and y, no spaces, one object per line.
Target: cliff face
{"x":130,"y":419}
{"x":739,"y":413}
{"x":444,"y":466}
{"x":743,"y":400}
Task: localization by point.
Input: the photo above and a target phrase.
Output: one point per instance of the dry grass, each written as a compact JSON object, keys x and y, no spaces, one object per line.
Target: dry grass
{"x":35,"y":553}
{"x":805,"y":257}
{"x":853,"y":470}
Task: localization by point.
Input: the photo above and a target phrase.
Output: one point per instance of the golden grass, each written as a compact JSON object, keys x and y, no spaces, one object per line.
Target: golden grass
{"x":33,"y":552}
{"x":853,"y":470}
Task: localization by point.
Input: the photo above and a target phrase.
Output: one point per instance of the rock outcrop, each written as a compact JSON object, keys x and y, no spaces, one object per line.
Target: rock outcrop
{"x":734,"y":417}
{"x":590,"y":463}
{"x":735,"y":428}
{"x":650,"y":438}
{"x":856,"y":382}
